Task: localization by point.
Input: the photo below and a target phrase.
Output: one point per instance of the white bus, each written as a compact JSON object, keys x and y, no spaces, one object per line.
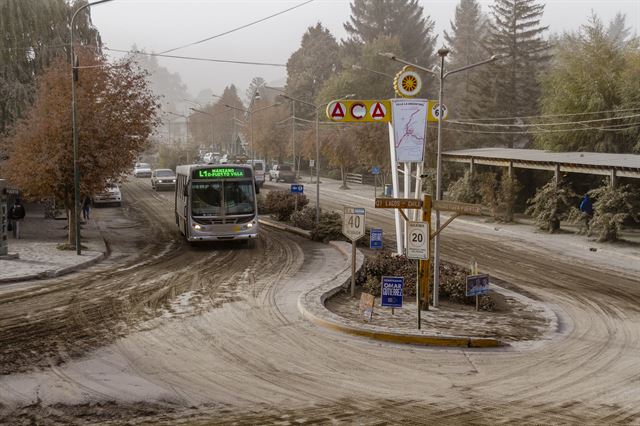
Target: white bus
{"x":216,"y":202}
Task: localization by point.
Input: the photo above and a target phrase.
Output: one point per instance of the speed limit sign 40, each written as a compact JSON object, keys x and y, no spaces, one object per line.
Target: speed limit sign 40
{"x":353,"y":225}
{"x":418,"y":240}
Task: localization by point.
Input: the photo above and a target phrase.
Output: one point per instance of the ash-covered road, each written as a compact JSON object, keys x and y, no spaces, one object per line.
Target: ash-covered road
{"x":213,"y":335}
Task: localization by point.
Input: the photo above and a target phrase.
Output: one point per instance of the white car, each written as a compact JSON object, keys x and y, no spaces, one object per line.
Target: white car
{"x":142,"y":170}
{"x":111,"y":195}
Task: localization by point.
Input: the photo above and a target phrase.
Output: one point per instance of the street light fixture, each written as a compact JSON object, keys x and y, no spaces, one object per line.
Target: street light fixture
{"x":212,"y":125}
{"x":74,"y":128}
{"x":251,"y":112}
{"x":442,"y":52}
{"x":317,"y":108}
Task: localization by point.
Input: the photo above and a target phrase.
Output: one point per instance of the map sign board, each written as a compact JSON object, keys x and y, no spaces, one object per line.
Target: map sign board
{"x":409,"y":125}
{"x":375,"y":240}
{"x":353,"y":224}
{"x":418,"y":240}
{"x":477,"y":285}
{"x":391,"y":292}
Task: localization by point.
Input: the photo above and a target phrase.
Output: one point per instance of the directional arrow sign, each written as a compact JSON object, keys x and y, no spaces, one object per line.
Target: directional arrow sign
{"x":398,"y":203}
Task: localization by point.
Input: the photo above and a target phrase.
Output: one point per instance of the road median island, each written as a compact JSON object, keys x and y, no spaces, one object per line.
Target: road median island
{"x":329,"y":306}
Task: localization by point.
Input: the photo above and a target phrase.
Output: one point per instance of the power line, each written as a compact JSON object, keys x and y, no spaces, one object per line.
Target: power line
{"x":615,"y":127}
{"x":564,"y":123}
{"x":549,"y":115}
{"x":193,"y":58}
{"x":238,"y":28}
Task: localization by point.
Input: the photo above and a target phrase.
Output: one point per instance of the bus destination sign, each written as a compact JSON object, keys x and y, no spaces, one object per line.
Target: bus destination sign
{"x":221,"y":173}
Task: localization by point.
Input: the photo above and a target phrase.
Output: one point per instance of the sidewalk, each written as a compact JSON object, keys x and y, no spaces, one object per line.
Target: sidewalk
{"x":38,"y":255}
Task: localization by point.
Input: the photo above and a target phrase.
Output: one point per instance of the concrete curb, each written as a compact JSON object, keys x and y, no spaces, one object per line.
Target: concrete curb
{"x":285,"y":227}
{"x":52,"y":273}
{"x":312,"y":307}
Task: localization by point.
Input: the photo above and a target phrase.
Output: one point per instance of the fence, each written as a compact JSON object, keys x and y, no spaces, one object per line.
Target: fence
{"x":354,"y":178}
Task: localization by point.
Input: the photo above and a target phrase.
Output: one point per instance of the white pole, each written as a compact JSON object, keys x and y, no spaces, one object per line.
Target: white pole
{"x":394,"y":180}
{"x":407,"y":193}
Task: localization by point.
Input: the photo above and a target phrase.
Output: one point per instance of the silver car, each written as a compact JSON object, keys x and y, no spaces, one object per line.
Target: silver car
{"x":142,"y":170}
{"x":163,"y":179}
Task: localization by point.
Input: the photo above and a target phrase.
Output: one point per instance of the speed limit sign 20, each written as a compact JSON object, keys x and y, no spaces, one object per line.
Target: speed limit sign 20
{"x":418,"y":240}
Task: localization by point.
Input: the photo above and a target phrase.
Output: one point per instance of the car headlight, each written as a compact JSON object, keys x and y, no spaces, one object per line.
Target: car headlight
{"x":173,"y":181}
{"x":197,"y":226}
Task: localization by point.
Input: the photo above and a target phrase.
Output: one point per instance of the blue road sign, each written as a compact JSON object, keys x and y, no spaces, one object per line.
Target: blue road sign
{"x":375,"y":170}
{"x":392,"y":292}
{"x":297,"y":189}
{"x":376,"y":238}
{"x":477,"y":284}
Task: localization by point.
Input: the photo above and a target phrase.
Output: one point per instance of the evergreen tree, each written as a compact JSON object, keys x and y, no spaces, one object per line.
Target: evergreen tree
{"x":309,"y":67}
{"x":466,"y":42}
{"x":510,"y":85}
{"x":34,"y":34}
{"x":594,"y":73}
{"x":404,"y":19}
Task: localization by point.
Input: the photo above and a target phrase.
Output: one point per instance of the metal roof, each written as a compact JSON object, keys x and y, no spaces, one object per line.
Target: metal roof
{"x":624,"y":165}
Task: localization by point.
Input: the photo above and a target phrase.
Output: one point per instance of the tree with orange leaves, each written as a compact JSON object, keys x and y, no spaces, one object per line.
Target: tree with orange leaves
{"x":117,"y":112}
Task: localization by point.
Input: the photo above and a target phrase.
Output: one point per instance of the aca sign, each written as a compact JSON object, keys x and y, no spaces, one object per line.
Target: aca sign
{"x":359,"y":111}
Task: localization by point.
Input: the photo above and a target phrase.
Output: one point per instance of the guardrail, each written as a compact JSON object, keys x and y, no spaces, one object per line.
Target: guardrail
{"x":354,"y":178}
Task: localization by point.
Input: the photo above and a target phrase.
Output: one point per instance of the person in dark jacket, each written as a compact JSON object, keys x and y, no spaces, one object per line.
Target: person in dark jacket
{"x":86,"y":207}
{"x":16,"y":214}
{"x":587,"y":209}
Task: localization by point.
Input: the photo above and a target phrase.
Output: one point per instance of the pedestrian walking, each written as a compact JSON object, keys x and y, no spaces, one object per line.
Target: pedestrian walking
{"x":587,"y":210}
{"x":16,"y":215}
{"x":86,"y":207}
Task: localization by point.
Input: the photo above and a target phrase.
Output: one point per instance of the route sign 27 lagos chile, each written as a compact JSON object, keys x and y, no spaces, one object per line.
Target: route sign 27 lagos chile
{"x":409,"y":124}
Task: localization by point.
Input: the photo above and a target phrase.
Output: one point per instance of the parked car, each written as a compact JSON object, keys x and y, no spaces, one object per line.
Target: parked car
{"x":282,"y":172}
{"x":163,"y":179}
{"x":142,"y":170}
{"x":110,"y":195}
{"x":259,"y":171}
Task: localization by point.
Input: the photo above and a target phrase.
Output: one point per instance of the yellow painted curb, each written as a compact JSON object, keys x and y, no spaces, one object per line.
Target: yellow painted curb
{"x":424,"y":340}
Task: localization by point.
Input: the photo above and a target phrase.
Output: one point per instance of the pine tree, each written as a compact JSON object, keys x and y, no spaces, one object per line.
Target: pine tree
{"x":309,"y":67}
{"x":371,"y":19}
{"x":510,"y":85}
{"x":466,"y":43}
{"x":34,"y":34}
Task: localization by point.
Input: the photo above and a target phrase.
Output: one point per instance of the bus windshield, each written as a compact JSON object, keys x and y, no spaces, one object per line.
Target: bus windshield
{"x":238,"y":197}
{"x":207,"y":198}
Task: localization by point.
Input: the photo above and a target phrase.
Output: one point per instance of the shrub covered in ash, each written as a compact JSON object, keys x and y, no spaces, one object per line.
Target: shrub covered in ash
{"x":551,"y":204}
{"x":329,"y":228}
{"x":612,"y":207}
{"x":452,"y":281}
{"x":281,"y":204}
{"x":305,"y":218}
{"x":262,"y":204}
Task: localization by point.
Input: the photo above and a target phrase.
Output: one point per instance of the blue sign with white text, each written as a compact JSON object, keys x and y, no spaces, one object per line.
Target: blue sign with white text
{"x":477,"y":285}
{"x":375,"y":241}
{"x":392,"y":288}
{"x":297,"y":189}
{"x":375,"y":170}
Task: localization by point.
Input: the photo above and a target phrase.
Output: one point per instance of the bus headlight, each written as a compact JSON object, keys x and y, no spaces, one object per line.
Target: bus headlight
{"x":248,"y":225}
{"x":197,"y":227}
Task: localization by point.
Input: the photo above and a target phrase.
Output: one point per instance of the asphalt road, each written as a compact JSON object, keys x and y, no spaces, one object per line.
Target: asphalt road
{"x":165,"y":332}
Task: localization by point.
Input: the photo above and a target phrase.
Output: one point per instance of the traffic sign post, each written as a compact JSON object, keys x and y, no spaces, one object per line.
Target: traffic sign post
{"x":418,"y":240}
{"x":353,"y":227}
{"x":295,"y":190}
{"x":375,"y":240}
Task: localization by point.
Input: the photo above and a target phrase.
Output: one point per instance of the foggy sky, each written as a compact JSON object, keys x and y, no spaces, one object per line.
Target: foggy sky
{"x":157,"y":25}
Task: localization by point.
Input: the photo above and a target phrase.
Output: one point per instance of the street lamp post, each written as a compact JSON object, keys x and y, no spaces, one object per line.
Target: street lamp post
{"x":74,"y":128}
{"x":317,"y":109}
{"x":442,"y":52}
{"x":251,"y":112}
{"x":186,"y":118}
{"x":212,"y":125}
